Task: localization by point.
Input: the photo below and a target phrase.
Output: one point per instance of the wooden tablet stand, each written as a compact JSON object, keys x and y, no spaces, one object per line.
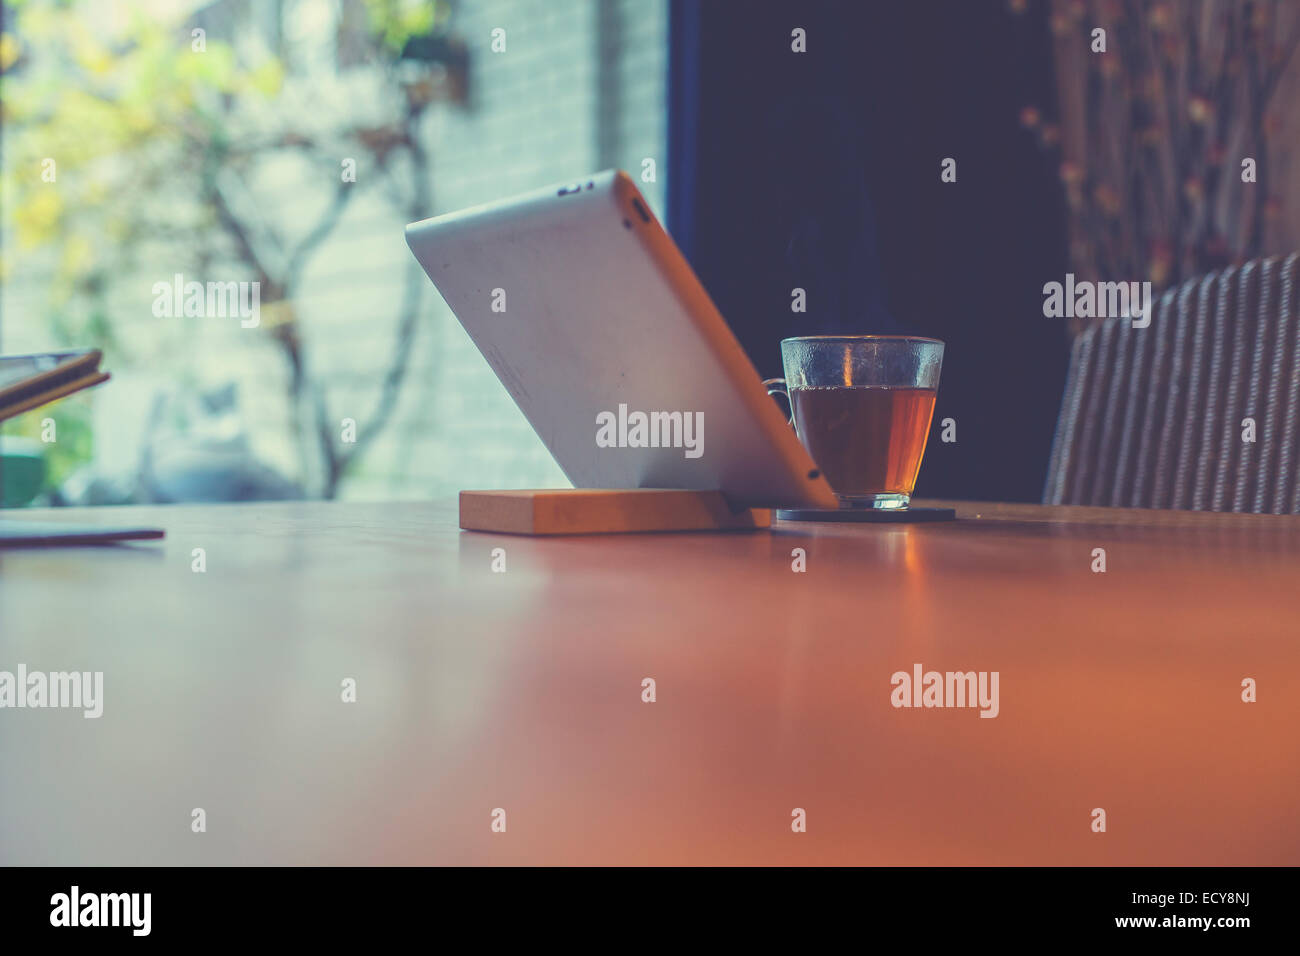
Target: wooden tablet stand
{"x":588,"y":511}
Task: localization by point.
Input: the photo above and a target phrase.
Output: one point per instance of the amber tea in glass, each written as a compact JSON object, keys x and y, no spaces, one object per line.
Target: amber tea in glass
{"x":862,"y":406}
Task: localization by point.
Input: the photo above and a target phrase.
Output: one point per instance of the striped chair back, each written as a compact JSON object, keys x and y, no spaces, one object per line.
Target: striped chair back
{"x":1155,"y":417}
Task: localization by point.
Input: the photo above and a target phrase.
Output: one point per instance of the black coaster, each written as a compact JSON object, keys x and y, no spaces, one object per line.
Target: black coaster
{"x":882,"y":515}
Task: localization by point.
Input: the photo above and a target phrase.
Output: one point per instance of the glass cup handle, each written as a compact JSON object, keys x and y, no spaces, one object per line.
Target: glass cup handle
{"x":777,"y":386}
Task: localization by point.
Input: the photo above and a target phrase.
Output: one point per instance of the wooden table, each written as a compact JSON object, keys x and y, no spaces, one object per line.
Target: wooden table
{"x":522,"y":690}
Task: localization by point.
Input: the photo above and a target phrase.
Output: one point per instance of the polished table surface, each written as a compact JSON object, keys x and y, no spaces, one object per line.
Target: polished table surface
{"x":478,"y":690}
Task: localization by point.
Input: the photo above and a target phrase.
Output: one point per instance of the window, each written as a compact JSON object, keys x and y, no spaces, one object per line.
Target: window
{"x":276,"y":150}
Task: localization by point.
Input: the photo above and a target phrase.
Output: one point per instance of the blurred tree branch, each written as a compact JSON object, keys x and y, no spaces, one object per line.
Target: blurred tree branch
{"x":1152,"y":132}
{"x":147,"y":115}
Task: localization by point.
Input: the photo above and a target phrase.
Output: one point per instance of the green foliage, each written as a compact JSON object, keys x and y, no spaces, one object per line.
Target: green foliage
{"x":75,"y":442}
{"x":118,"y":141}
{"x":395,"y":22}
{"x":95,"y":124}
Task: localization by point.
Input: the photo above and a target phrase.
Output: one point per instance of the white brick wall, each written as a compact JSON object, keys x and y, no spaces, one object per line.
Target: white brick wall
{"x":532,"y":121}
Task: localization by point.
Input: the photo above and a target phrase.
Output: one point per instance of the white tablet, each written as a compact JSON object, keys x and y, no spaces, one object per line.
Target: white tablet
{"x":597,"y":326}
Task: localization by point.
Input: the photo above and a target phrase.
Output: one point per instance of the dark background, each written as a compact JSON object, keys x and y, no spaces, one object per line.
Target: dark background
{"x":822,"y":170}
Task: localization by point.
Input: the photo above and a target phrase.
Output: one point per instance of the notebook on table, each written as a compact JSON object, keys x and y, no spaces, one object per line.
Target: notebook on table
{"x":22,"y":532}
{"x":27,"y":382}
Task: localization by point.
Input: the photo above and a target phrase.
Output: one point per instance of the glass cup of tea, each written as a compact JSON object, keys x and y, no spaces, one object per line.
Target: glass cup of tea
{"x":861,"y":405}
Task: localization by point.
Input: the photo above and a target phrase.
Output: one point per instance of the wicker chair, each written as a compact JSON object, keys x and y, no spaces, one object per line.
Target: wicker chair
{"x":1153,"y":417}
